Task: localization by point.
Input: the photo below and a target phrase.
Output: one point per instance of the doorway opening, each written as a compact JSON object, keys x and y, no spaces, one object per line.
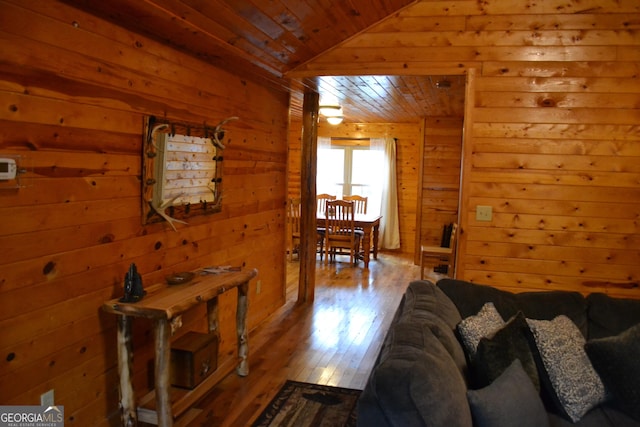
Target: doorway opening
{"x":429,"y":158}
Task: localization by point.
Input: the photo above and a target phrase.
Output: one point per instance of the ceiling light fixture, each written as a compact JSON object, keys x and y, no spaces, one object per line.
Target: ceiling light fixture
{"x":330,"y":110}
{"x":333,"y":113}
{"x":334,"y":120}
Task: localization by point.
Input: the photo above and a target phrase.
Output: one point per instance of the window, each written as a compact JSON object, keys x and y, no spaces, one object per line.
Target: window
{"x":345,"y":170}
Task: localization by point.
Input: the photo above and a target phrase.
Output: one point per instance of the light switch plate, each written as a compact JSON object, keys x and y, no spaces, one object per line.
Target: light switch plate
{"x":484,"y":213}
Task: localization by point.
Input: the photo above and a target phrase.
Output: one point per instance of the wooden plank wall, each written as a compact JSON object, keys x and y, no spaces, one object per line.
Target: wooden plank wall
{"x":442,"y":156}
{"x":74,"y":90}
{"x":552,"y":132}
{"x":409,"y":139}
{"x":294,"y":158}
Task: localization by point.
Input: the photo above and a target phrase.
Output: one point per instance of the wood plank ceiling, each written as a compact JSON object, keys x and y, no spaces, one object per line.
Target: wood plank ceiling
{"x":390,"y":99}
{"x":269,"y":38}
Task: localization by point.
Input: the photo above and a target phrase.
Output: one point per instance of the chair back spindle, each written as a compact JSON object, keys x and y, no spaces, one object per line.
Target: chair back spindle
{"x":321,"y":200}
{"x":360,"y":203}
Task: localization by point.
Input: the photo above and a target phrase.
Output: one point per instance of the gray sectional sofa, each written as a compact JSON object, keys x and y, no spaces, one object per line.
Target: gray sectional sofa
{"x":426,"y":376}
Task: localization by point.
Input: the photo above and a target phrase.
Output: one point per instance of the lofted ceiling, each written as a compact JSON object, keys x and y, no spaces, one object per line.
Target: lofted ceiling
{"x":390,"y":99}
{"x":266,"y":39}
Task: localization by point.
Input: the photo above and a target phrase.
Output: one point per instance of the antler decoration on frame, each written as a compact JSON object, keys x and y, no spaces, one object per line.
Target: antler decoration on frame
{"x":218,"y":133}
{"x":152,"y":134}
{"x":160,"y":210}
{"x":217,"y":197}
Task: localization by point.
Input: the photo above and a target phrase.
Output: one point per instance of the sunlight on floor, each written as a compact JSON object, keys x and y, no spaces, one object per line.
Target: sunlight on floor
{"x":334,"y":325}
{"x":347,"y":299}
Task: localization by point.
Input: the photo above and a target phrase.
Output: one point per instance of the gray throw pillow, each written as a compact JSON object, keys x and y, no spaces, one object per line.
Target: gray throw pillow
{"x":510,"y":400}
{"x":616,"y":360}
{"x":483,"y":324}
{"x":576,"y":387}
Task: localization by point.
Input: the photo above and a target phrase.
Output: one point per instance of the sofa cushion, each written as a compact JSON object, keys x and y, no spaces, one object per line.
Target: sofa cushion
{"x":604,"y":415}
{"x":424,"y":297}
{"x":426,"y":304}
{"x":567,"y":372}
{"x":548,"y":305}
{"x":470,"y":297}
{"x":495,"y":354}
{"x":510,"y":400}
{"x":473,"y":328}
{"x":416,"y":383}
{"x":610,"y":316}
{"x":616,"y":360}
{"x":545,"y":305}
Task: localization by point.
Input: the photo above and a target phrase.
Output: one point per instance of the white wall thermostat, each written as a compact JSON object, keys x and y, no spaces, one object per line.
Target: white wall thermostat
{"x":8,"y":169}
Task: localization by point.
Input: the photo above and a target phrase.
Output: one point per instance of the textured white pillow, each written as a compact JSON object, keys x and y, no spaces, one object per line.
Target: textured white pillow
{"x":483,"y":324}
{"x":576,"y":384}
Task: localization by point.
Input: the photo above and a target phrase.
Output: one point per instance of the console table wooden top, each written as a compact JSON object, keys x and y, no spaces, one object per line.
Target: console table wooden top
{"x":164,"y":301}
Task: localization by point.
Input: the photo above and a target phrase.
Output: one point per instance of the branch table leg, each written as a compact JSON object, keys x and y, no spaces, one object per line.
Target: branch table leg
{"x":212,"y":317}
{"x":241,"y":329}
{"x":162,"y":373}
{"x":125,"y":368}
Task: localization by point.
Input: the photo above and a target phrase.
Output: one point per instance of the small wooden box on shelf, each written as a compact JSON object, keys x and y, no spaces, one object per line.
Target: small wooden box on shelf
{"x":194,"y":356}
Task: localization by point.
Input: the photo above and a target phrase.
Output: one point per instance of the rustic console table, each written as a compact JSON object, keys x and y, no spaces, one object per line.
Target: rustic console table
{"x":164,"y":304}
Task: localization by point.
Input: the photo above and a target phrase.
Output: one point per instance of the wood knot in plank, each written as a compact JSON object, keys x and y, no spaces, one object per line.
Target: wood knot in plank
{"x":547,"y":102}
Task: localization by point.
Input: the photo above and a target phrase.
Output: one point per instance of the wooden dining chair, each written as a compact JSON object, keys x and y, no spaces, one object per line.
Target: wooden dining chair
{"x":340,"y":231}
{"x":360,"y":203}
{"x":293,"y":227}
{"x":321,"y":202}
{"x":439,"y":253}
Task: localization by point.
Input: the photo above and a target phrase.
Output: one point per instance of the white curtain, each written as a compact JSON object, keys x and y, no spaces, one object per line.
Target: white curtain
{"x":324,"y":142}
{"x":389,"y":224}
{"x":324,"y":177}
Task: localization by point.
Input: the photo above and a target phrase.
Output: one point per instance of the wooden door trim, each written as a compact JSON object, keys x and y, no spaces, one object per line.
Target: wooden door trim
{"x":463,"y":202}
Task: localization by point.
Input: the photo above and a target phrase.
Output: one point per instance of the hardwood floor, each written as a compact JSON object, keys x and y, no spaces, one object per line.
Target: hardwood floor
{"x":334,"y":340}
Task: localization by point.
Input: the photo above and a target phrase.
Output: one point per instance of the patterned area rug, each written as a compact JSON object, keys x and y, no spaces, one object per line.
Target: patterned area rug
{"x":310,"y":405}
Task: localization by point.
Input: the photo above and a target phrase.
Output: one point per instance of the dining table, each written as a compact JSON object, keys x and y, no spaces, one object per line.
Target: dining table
{"x":370,"y":225}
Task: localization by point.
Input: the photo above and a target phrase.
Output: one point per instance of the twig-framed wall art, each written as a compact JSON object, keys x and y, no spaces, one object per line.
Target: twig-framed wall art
{"x":182,"y":170}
